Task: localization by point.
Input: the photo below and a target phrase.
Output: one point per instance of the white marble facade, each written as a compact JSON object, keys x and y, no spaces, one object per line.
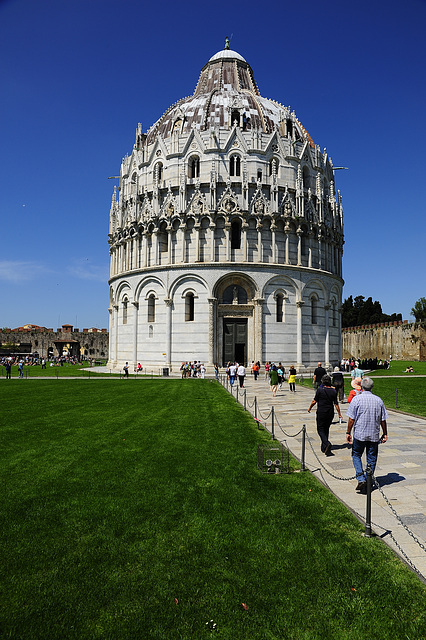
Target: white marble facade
{"x":226,"y":235}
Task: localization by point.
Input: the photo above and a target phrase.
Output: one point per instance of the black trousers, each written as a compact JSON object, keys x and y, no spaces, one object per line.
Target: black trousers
{"x":323,"y":429}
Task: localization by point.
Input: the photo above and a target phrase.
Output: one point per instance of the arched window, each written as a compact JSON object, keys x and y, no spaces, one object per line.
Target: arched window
{"x":194,"y":167}
{"x":273,"y":167}
{"x":235,"y":118}
{"x":280,"y":307}
{"x":234,"y":294}
{"x":158,"y":172}
{"x":177,"y":126}
{"x":189,"y":307}
{"x":314,"y":310}
{"x":235,"y":235}
{"x":289,"y":128}
{"x":235,"y":165}
{"x":151,"y":308}
{"x":259,"y":175}
{"x":125,"y":303}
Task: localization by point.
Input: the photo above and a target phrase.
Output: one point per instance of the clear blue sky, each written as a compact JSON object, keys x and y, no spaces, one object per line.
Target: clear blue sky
{"x":77,"y":77}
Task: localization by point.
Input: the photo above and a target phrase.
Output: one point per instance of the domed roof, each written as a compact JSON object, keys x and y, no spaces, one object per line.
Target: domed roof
{"x":226,"y":93}
{"x":226,"y":53}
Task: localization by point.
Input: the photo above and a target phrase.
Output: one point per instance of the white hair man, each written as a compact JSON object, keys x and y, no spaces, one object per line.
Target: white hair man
{"x":366,"y":414}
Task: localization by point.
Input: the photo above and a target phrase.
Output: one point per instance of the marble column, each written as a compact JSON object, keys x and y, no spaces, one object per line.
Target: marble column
{"x":169,"y":230}
{"x":168,"y":303}
{"x":115,"y":347}
{"x":259,"y":242}
{"x":135,"y":333}
{"x":327,"y":336}
{"x":299,"y":247}
{"x":212,"y":247}
{"x":244,"y":229}
{"x":228,"y":241}
{"x":299,"y":347}
{"x":212,"y":331}
{"x":197,"y":242}
{"x":274,"y":246}
{"x":258,"y":330}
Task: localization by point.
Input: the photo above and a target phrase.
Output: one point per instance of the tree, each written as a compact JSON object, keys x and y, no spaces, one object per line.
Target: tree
{"x":419,"y":310}
{"x":360,"y":312}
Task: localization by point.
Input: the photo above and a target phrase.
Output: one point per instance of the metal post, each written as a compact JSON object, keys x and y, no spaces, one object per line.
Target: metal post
{"x":368,"y":511}
{"x":272,"y":424}
{"x":245,"y":399}
{"x":236,"y":395}
{"x":255,"y":408}
{"x":302,"y":462}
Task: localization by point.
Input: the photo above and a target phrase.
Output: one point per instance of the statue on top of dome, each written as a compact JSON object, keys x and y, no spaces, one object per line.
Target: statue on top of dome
{"x":227,"y":43}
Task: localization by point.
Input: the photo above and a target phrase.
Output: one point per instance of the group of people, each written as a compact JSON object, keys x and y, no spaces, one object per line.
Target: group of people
{"x":194,"y":369}
{"x":348,"y":364}
{"x":277,"y":377}
{"x":234,"y":370}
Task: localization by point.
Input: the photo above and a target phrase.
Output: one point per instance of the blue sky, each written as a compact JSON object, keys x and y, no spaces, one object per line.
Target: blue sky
{"x":77,"y":77}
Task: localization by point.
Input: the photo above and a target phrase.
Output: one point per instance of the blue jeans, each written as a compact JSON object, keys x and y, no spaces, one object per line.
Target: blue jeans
{"x":232,"y":380}
{"x":371,"y":449}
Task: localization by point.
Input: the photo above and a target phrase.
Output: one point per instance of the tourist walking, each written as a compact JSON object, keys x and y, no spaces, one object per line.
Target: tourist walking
{"x":366,"y":414}
{"x":21,"y":369}
{"x":326,"y":401}
{"x":292,"y":378}
{"x":273,"y":380}
{"x":241,"y":373}
{"x":232,"y":373}
{"x":338,"y":383}
{"x":356,"y":389}
{"x":319,"y":373}
{"x":126,"y":370}
{"x":8,"y":370}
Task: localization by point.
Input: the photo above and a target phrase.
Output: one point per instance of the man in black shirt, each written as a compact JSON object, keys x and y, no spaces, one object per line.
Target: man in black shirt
{"x":318,"y":374}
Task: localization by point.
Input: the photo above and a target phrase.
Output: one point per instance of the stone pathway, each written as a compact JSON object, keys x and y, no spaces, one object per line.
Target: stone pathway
{"x":400,"y":471}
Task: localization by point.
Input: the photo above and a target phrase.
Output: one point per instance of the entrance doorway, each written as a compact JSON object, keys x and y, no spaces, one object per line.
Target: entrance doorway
{"x":234,"y":340}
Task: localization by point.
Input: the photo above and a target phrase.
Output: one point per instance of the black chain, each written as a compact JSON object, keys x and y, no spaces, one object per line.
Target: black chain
{"x":326,"y":470}
{"x":421,"y":545}
{"x":289,"y":435}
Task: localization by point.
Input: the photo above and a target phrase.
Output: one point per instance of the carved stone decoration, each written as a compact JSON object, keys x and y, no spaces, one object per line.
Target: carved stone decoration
{"x":259,"y":204}
{"x":229,"y":201}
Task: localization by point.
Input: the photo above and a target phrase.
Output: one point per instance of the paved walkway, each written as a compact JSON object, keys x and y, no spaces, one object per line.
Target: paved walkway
{"x":400,"y":471}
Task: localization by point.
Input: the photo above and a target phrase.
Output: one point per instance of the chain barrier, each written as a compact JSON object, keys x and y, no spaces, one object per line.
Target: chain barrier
{"x":422,"y":546}
{"x":289,"y":435}
{"x":264,"y":418}
{"x":326,"y":470}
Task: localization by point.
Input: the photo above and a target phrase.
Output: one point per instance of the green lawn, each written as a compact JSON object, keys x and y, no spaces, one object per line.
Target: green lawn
{"x":135,"y":510}
{"x":398,"y":367}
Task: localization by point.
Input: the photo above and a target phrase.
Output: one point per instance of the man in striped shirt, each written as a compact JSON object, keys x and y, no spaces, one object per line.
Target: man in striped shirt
{"x":366,"y":414}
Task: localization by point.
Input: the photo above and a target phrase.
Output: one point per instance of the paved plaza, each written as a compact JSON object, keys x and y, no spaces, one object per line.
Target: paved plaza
{"x":400,"y":471}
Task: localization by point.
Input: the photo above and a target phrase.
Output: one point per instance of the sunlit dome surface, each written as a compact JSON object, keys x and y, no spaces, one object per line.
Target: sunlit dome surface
{"x":226,"y":54}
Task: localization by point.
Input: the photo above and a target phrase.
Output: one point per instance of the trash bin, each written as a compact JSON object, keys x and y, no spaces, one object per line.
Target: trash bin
{"x":165,"y":371}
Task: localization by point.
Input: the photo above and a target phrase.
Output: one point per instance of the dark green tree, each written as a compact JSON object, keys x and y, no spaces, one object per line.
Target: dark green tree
{"x":419,"y":310}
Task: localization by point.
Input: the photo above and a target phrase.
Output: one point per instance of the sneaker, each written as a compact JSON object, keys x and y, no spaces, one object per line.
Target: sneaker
{"x":362,"y":488}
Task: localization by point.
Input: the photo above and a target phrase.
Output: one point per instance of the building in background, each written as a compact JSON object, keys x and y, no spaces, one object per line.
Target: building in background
{"x":226,"y":235}
{"x":46,"y":343}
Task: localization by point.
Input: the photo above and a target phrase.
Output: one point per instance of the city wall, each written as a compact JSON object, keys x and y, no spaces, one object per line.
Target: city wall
{"x":401,"y":340}
{"x":89,"y":343}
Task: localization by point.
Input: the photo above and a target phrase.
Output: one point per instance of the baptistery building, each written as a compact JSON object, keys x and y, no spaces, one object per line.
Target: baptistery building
{"x":226,"y":233}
